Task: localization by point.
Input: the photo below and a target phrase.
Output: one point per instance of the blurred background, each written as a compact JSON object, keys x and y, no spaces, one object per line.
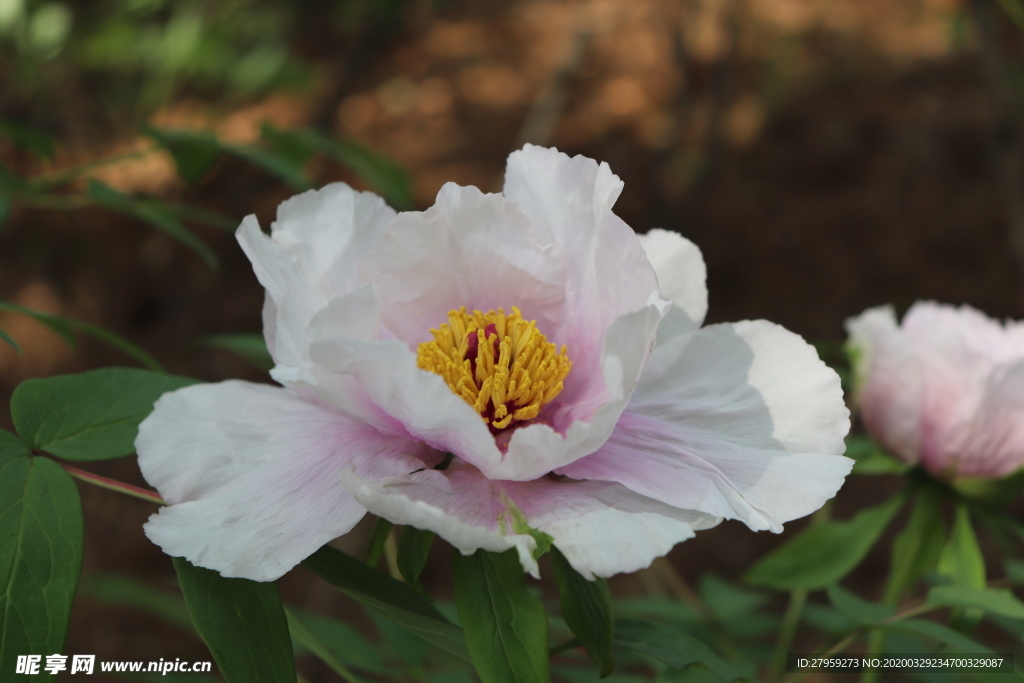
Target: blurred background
{"x":825,"y":155}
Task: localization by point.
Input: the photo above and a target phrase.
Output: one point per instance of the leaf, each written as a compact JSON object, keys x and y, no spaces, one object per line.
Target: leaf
{"x":823,"y":554}
{"x":11,"y":446}
{"x":282,"y":167}
{"x":251,"y":347}
{"x":378,"y":537}
{"x":943,"y":634}
{"x":856,"y":608}
{"x":193,"y":151}
{"x":304,"y":635}
{"x":40,"y":554}
{"x":65,"y":327}
{"x":676,"y":649}
{"x":112,"y":589}
{"x":393,"y":599}
{"x":506,"y":626}
{"x":388,"y":178}
{"x":343,"y":641}
{"x":917,"y":547}
{"x":150,"y":212}
{"x":413,"y":547}
{"x":90,"y":416}
{"x":241,"y":621}
{"x":963,"y":564}
{"x":729,"y":603}
{"x":587,"y":609}
{"x":994,"y":600}
{"x":30,"y":138}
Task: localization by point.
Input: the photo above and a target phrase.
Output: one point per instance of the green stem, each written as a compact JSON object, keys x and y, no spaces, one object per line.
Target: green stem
{"x":790,"y":621}
{"x":114,"y":485}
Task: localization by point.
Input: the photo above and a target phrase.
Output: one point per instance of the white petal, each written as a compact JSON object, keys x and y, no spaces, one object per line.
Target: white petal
{"x":602,"y":528}
{"x":682,"y":275}
{"x":251,"y":475}
{"x":740,"y":421}
{"x":310,"y":259}
{"x":992,"y":445}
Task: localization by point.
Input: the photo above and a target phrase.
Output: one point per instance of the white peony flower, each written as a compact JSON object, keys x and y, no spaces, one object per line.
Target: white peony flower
{"x":531,"y":334}
{"x":944,"y":390}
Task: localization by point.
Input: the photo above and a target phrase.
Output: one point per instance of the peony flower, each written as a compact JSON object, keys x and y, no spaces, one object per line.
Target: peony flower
{"x":944,"y":390}
{"x":533,"y":336}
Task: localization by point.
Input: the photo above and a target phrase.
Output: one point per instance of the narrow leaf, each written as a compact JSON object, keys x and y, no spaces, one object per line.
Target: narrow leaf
{"x":993,"y":600}
{"x":112,"y":589}
{"x":343,"y":641}
{"x":65,"y":327}
{"x":90,"y":416}
{"x":506,"y":626}
{"x":676,"y":649}
{"x":242,"y":623}
{"x":30,"y":138}
{"x":824,"y":553}
{"x":40,"y":555}
{"x":150,"y":212}
{"x":250,"y":347}
{"x":963,"y":564}
{"x":303,"y":635}
{"x":943,"y":634}
{"x":193,"y":151}
{"x":587,"y":609}
{"x":917,"y":547}
{"x":413,"y":547}
{"x":378,"y":537}
{"x":392,"y":599}
{"x":282,"y":167}
{"x":857,"y":609}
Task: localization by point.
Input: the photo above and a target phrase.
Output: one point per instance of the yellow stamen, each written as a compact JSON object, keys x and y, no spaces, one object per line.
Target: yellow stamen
{"x":501,"y":365}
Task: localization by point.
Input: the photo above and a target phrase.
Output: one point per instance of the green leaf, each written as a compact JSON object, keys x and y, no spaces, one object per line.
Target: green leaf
{"x":392,"y":599}
{"x":729,"y":603}
{"x":506,"y":627}
{"x":824,"y":553}
{"x":40,"y":555}
{"x":242,"y":623}
{"x":112,"y":589}
{"x":65,"y":327}
{"x":378,"y":537}
{"x":676,"y":649}
{"x":994,"y":600}
{"x":413,"y":547}
{"x":917,"y":547}
{"x":296,"y":147}
{"x":30,"y":138}
{"x":382,"y":174}
{"x":1015,"y":571}
{"x":251,"y":347}
{"x":587,"y":609}
{"x":856,"y":608}
{"x":90,"y":416}
{"x":943,"y":634}
{"x":280,"y":166}
{"x":193,"y":151}
{"x":305,"y":636}
{"x":11,"y":447}
{"x":150,"y":212}
{"x":962,"y":563}
{"x":7,"y":338}
{"x":344,"y":642}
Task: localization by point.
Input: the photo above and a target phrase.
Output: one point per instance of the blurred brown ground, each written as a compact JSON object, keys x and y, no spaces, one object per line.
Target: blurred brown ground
{"x":825,"y":155}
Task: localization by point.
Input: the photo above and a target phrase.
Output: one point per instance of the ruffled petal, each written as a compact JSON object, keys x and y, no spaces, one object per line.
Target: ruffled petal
{"x":251,"y":473}
{"x":992,"y":445}
{"x":741,"y":421}
{"x":602,"y":528}
{"x":309,"y":259}
{"x":569,"y":202}
{"x":682,"y":275}
{"x":888,"y":384}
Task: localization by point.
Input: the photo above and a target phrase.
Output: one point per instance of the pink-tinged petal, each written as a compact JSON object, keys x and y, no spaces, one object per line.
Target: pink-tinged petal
{"x":741,"y":421}
{"x":888,"y":384}
{"x":537,"y":449}
{"x":569,"y":202}
{"x":385,"y":375}
{"x":682,"y":275}
{"x":992,"y":445}
{"x":309,"y":259}
{"x":602,"y":528}
{"x":459,"y":504}
{"x":251,"y":473}
{"x":470,"y":249}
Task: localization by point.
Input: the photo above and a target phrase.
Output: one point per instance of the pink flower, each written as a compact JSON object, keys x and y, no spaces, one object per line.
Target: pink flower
{"x":944,"y":390}
{"x":581,"y":400}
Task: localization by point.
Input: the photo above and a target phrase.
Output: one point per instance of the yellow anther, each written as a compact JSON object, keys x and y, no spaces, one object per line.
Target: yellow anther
{"x":500,"y":364}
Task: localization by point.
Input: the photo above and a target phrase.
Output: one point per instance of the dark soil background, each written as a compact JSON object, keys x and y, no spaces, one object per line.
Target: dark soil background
{"x":825,"y":157}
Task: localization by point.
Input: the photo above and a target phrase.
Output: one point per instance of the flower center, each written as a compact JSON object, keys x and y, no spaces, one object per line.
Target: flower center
{"x":500,"y":364}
